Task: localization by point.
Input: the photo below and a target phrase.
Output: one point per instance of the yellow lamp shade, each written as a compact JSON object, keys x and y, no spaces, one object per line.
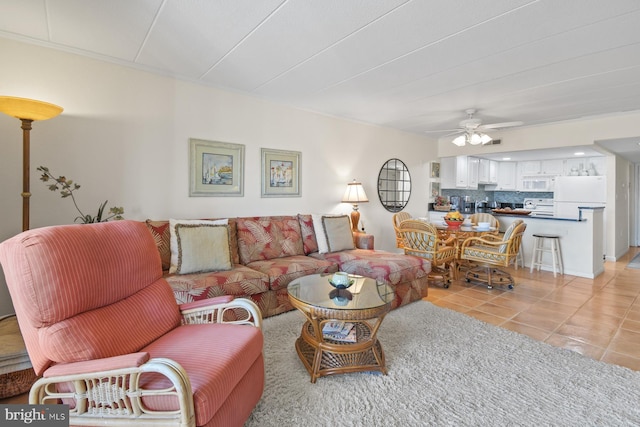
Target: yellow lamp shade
{"x":29,"y":109}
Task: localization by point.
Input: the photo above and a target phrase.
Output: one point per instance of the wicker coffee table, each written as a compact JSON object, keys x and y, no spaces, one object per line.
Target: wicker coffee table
{"x":364,"y":305}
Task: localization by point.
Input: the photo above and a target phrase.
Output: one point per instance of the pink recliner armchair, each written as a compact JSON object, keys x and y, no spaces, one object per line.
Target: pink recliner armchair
{"x":102,"y":327}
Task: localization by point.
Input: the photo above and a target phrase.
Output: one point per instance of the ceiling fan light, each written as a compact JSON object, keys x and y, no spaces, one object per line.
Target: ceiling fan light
{"x":475,"y":139}
{"x":460,"y":140}
{"x":485,"y":139}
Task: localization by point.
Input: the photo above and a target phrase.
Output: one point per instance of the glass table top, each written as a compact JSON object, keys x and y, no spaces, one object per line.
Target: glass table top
{"x":364,"y":293}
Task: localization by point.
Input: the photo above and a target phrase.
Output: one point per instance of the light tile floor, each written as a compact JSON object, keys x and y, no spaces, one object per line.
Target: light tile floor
{"x":599,"y":317}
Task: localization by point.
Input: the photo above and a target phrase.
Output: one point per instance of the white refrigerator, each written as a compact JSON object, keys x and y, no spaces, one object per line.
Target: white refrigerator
{"x":570,"y":192}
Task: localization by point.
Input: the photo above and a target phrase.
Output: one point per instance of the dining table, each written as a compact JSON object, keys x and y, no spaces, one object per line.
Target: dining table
{"x":457,"y":235}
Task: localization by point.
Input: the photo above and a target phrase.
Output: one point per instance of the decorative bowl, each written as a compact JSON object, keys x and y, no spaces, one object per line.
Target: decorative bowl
{"x":453,"y":223}
{"x":484,"y":225}
{"x":340,"y":280}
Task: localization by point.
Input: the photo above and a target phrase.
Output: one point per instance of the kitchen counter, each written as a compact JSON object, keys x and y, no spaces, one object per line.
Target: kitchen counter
{"x":556,"y":218}
{"x":581,"y":240}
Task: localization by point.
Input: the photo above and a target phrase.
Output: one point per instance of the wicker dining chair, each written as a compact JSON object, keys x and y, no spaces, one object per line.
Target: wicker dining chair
{"x":421,"y":239}
{"x":397,"y":219}
{"x":485,"y":217}
{"x":491,"y":252}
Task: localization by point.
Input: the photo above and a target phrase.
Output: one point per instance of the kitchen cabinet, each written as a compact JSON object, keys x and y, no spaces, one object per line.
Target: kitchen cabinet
{"x":507,"y":177}
{"x":459,"y":172}
{"x":552,"y":167}
{"x":487,"y":171}
{"x":531,"y":167}
{"x":541,"y":167}
{"x":538,"y":175}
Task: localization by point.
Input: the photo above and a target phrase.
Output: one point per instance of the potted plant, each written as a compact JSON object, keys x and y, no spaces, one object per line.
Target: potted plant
{"x":441,"y":203}
{"x":67,"y":187}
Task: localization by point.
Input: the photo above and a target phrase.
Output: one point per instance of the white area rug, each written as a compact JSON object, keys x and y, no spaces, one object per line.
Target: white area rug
{"x":635,"y":262}
{"x":446,"y":369}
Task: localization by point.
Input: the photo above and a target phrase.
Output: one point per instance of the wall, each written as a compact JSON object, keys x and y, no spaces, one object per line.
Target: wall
{"x":124,"y":137}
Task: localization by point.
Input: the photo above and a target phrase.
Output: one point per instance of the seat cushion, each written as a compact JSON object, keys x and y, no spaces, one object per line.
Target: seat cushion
{"x":239,"y":281}
{"x":281,"y":271}
{"x":216,"y":358}
{"x":390,"y":267}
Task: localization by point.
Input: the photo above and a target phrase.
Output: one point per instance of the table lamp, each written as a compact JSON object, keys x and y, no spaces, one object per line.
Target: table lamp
{"x":355,"y":194}
{"x":27,"y":110}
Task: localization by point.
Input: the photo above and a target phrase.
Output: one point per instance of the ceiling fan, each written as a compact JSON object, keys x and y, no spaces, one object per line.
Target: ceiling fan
{"x":471,"y":130}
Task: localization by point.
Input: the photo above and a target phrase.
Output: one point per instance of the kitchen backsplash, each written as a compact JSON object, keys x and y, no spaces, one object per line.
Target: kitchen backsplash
{"x":498,"y":196}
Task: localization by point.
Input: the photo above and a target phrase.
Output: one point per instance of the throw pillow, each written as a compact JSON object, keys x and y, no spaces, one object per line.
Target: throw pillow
{"x":338,"y":236}
{"x":200,"y":247}
{"x":321,"y":238}
{"x":338,"y":232}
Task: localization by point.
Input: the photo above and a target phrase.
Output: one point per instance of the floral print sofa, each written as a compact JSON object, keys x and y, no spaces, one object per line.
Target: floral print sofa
{"x":269,"y":252}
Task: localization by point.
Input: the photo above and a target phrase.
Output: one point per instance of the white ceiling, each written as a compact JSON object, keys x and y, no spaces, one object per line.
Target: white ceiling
{"x":412,"y":65}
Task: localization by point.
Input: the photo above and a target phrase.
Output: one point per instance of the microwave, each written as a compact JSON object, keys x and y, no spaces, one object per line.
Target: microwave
{"x":537,"y":183}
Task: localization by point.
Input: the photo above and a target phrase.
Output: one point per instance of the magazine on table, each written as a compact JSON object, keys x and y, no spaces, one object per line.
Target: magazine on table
{"x":340,"y":331}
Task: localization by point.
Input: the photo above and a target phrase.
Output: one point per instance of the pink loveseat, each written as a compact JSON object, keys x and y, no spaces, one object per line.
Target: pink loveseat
{"x":269,"y":252}
{"x":102,"y":326}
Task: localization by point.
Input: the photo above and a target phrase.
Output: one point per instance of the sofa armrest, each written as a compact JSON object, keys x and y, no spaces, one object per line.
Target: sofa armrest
{"x":363,"y":241}
{"x":222,"y":310}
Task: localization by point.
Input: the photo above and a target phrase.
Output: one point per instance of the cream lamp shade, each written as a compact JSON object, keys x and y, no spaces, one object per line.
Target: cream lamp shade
{"x":28,"y":111}
{"x":355,"y":194}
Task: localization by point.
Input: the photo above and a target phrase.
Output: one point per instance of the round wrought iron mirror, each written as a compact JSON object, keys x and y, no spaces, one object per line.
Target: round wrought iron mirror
{"x":394,"y":185}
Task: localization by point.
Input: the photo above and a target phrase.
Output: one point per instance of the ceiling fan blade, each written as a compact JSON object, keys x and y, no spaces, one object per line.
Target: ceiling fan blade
{"x":444,"y":130}
{"x":501,"y":125}
{"x":457,"y":131}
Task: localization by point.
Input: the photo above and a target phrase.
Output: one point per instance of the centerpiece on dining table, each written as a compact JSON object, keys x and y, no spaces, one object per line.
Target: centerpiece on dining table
{"x":454,"y":219}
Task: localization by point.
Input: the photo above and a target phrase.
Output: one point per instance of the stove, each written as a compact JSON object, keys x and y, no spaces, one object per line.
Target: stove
{"x":539,"y":207}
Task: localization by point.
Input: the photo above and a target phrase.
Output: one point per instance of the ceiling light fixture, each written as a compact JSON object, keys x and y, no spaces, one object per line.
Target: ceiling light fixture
{"x":579,"y":153}
{"x":472,"y":138}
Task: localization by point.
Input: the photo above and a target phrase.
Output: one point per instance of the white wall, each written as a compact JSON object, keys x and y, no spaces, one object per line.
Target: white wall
{"x":124,"y":137}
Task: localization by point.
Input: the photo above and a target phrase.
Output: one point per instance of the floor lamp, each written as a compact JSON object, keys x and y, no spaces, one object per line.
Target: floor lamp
{"x":27,"y":110}
{"x":355,"y":194}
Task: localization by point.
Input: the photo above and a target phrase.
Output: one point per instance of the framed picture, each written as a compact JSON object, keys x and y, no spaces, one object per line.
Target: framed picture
{"x":435,"y":169}
{"x":280,"y":173}
{"x":435,"y":188}
{"x":216,"y":168}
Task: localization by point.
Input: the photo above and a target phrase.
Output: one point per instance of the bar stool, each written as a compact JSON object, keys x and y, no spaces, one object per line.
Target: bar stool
{"x":539,"y":249}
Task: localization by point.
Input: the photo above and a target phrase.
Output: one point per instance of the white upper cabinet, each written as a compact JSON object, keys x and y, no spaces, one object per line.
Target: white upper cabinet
{"x":487,"y":171}
{"x":552,"y":167}
{"x":531,"y":167}
{"x":459,"y":172}
{"x":506,"y":176}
